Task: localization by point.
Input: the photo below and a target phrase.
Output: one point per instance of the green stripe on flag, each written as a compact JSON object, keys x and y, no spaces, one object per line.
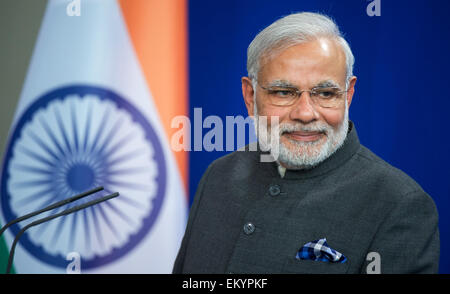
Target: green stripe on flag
{"x":4,"y":254}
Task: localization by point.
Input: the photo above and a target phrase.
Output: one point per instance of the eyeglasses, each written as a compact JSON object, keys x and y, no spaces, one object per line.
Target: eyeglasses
{"x":326,"y":97}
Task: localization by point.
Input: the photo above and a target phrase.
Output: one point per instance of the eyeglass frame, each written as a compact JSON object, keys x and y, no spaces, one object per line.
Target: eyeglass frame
{"x":299,"y":93}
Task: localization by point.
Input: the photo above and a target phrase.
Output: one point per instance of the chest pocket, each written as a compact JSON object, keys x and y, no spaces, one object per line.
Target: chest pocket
{"x":297,"y":266}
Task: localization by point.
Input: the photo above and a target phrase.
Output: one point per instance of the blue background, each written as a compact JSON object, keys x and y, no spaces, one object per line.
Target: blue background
{"x":401,"y":105}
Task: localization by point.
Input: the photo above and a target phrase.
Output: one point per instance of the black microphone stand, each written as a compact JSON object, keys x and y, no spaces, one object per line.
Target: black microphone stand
{"x":48,"y":218}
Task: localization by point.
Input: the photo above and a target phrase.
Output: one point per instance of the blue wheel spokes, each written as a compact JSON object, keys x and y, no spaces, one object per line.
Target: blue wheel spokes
{"x":68,"y":141}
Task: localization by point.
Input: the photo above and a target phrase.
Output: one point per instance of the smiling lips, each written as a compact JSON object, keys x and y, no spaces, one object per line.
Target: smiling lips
{"x":304,"y":136}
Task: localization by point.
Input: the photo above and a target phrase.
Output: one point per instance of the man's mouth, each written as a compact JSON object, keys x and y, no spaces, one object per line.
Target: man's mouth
{"x":304,"y":136}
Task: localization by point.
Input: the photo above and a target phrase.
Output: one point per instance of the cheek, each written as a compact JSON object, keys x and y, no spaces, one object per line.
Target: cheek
{"x":271,"y":111}
{"x":333,"y":117}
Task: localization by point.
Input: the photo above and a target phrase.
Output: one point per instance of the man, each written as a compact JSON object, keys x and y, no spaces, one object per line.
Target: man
{"x":327,"y":204}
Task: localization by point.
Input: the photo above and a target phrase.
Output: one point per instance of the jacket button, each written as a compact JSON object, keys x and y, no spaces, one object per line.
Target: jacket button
{"x":249,"y":228}
{"x":274,"y":190}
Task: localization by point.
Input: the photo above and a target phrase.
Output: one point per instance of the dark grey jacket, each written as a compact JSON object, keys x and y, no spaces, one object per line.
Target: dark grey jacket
{"x":354,"y":199}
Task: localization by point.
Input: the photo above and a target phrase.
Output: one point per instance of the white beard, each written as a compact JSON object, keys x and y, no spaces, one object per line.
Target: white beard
{"x":302,"y":155}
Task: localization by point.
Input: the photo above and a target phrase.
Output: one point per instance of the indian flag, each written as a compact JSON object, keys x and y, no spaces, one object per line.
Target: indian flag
{"x":105,"y":81}
{"x":4,"y":255}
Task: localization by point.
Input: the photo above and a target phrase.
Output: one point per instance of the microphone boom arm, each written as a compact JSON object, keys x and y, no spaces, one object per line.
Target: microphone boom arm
{"x":50,"y":207}
{"x":48,"y":218}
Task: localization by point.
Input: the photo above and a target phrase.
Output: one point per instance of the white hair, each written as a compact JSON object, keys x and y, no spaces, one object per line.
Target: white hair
{"x":292,"y":30}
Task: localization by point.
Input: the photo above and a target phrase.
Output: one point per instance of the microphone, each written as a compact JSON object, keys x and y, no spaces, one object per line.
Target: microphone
{"x":48,"y":218}
{"x":50,"y":207}
{"x":51,"y":217}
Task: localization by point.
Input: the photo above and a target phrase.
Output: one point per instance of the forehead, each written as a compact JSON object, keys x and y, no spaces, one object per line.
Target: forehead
{"x":305,"y":64}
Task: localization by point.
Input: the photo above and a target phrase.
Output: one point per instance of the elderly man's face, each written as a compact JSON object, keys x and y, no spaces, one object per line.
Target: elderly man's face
{"x":304,"y":66}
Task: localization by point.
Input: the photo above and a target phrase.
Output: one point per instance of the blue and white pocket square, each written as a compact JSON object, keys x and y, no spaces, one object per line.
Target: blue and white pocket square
{"x":320,"y":251}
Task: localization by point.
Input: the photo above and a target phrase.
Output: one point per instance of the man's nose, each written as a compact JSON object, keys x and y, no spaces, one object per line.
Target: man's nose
{"x":303,"y":110}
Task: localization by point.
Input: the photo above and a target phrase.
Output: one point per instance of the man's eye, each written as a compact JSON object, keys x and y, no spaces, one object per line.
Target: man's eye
{"x":326,"y":94}
{"x":283,"y":93}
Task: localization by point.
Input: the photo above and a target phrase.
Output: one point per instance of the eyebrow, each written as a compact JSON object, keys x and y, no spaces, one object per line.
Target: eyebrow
{"x":327,"y":84}
{"x":282,"y":84}
{"x":287,"y":84}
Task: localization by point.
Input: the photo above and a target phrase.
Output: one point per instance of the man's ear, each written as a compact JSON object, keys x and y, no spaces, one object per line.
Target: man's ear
{"x":249,"y":94}
{"x":351,"y":90}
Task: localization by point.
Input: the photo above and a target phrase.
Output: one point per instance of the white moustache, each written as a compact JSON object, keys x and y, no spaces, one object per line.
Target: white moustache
{"x":287,"y":128}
